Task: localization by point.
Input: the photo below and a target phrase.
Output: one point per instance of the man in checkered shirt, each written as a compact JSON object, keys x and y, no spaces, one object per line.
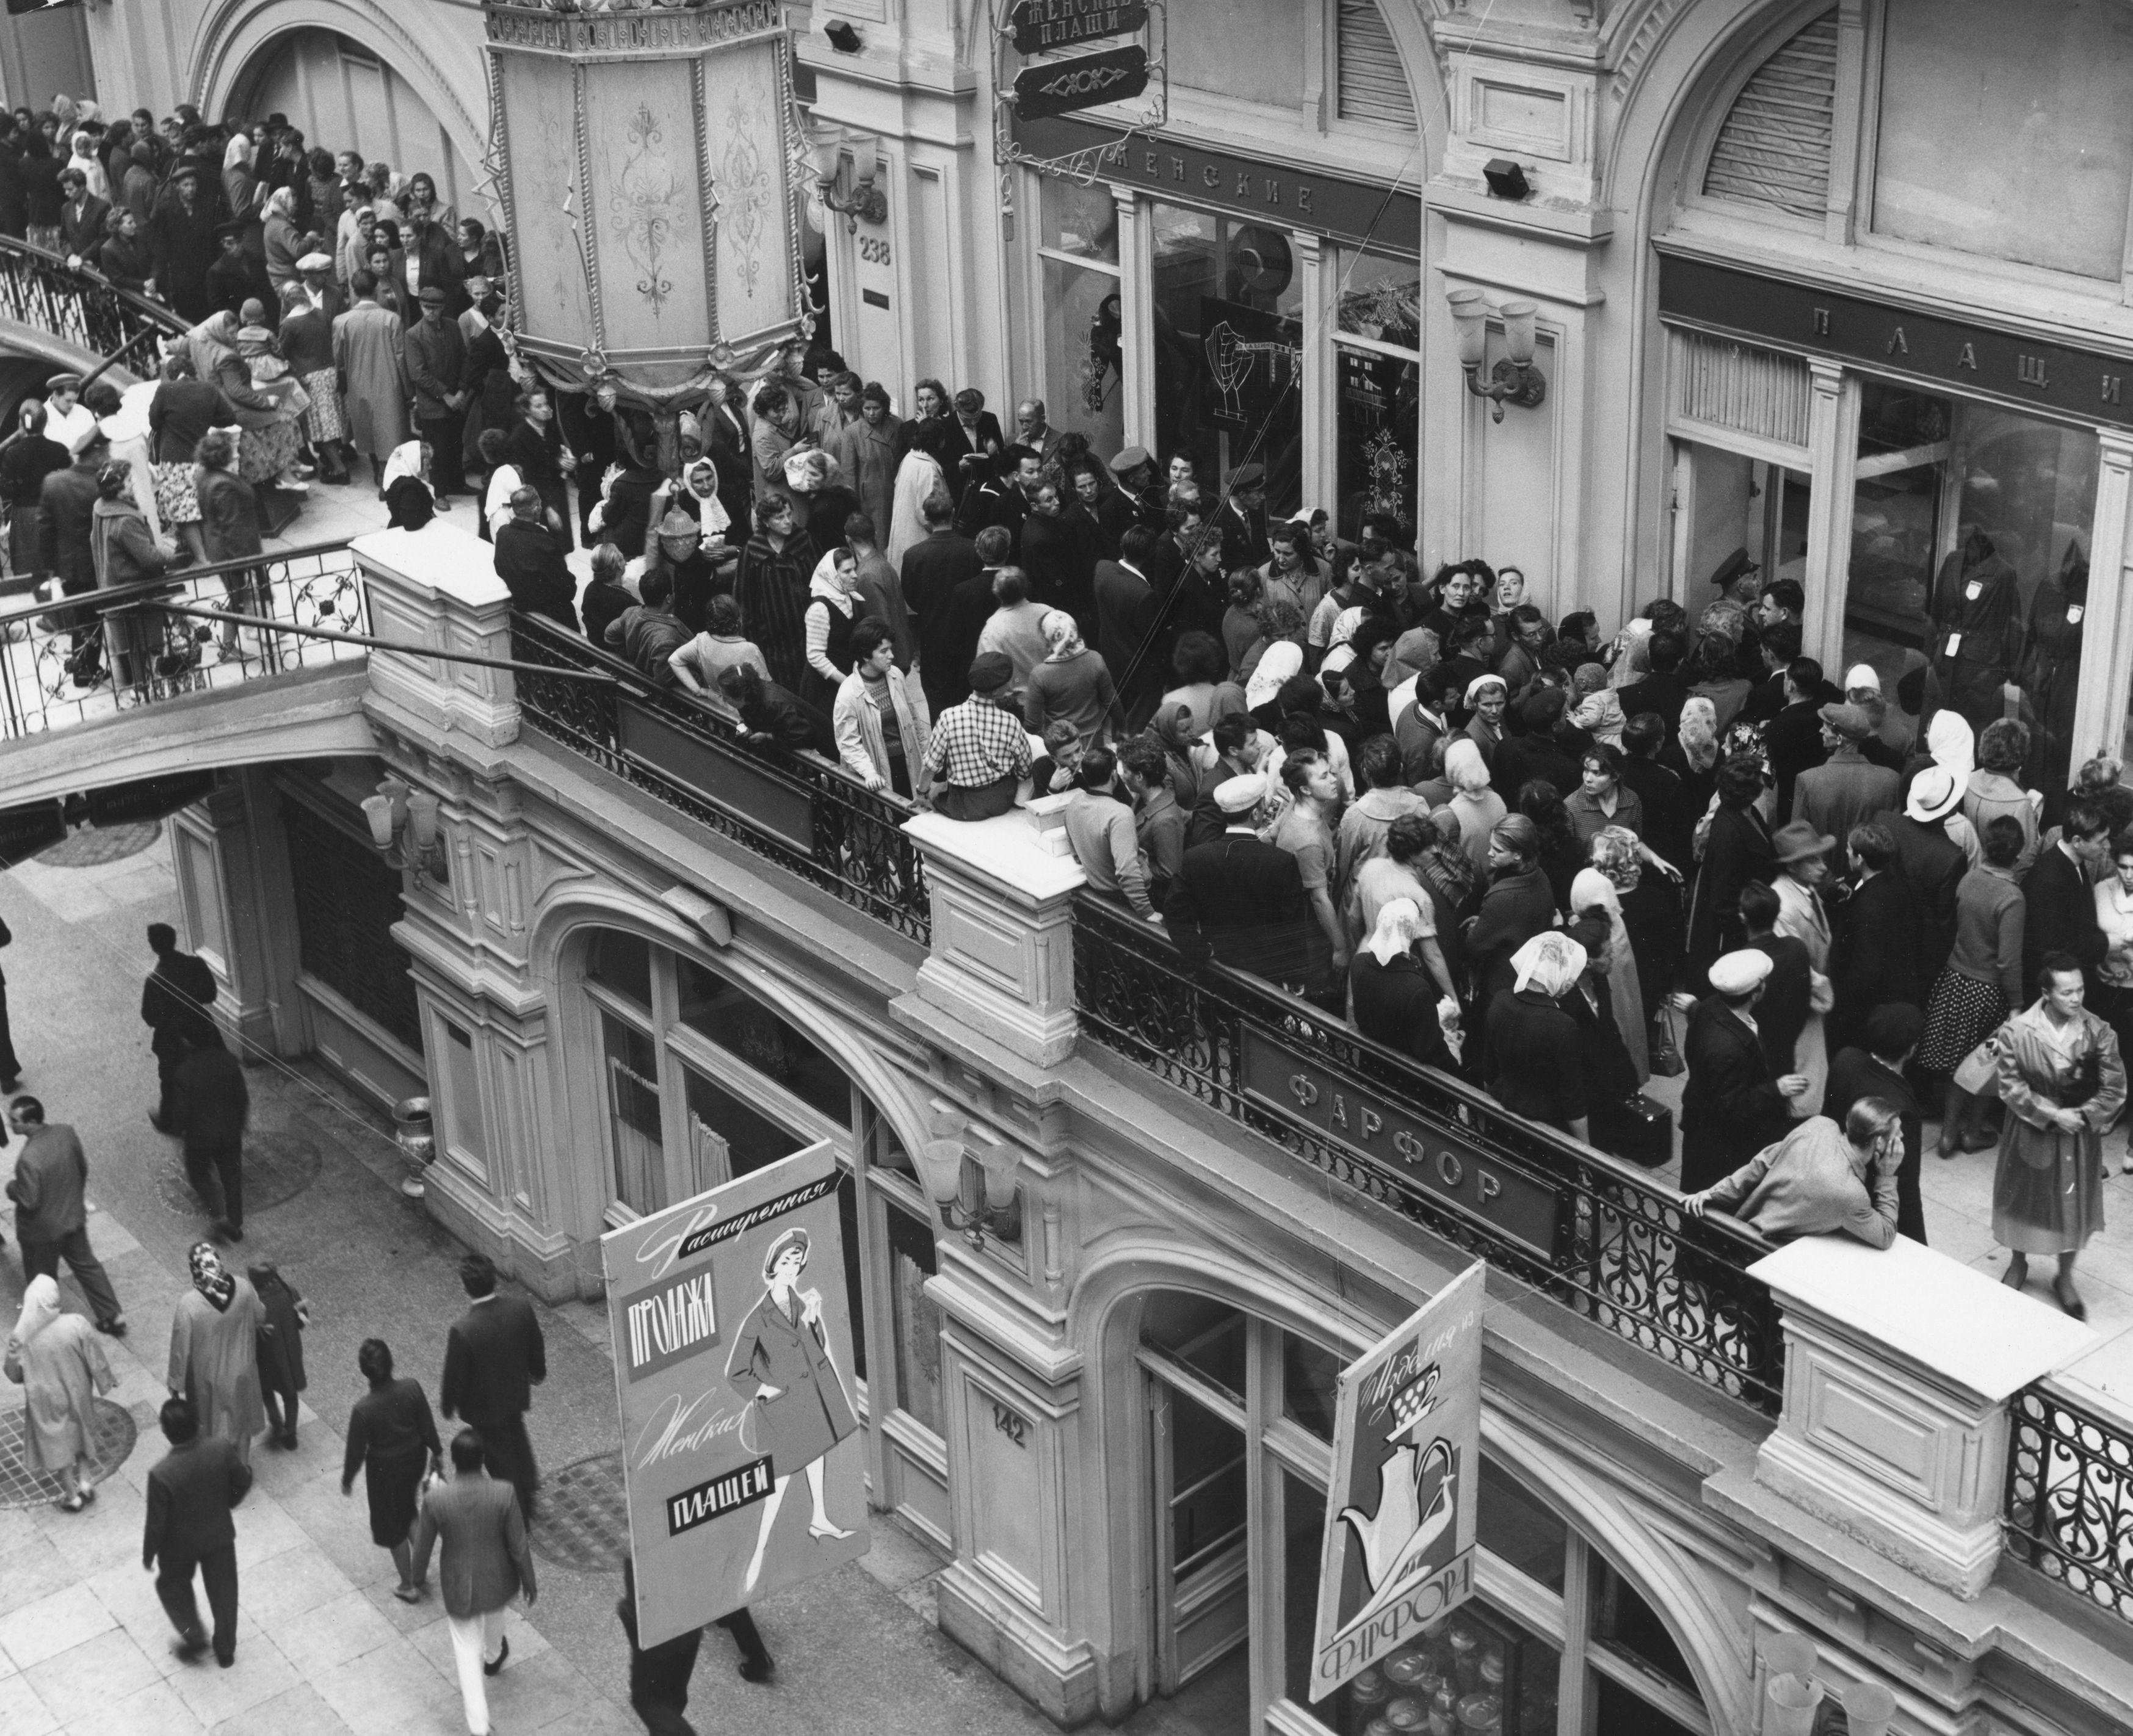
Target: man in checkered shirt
{"x":980,"y":753}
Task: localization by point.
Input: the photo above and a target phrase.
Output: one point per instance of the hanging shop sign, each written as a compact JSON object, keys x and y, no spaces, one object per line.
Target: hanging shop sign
{"x":1060,"y":87}
{"x":733,"y":1368}
{"x":1279,"y":192}
{"x":1978,"y":361}
{"x":1407,"y":1442}
{"x":1043,"y":26}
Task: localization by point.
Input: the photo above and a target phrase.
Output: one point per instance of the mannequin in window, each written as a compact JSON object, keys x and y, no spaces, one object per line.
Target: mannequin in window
{"x":2051,"y":662}
{"x":1977,"y":627}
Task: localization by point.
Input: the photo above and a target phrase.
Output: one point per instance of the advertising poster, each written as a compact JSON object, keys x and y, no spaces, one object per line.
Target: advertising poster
{"x":1398,"y":1552}
{"x":733,"y":1366}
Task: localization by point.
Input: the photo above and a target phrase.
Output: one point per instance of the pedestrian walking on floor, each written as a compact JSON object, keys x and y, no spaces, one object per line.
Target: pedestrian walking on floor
{"x":56,"y":1360}
{"x":11,"y":1065}
{"x":280,"y":1349}
{"x":392,"y":1439}
{"x":174,"y":1004}
{"x":494,"y":1358}
{"x":215,"y":1351}
{"x":659,"y":1675}
{"x":485,"y":1562}
{"x":190,"y":1494}
{"x":209,"y":1104}
{"x":50,"y":1215}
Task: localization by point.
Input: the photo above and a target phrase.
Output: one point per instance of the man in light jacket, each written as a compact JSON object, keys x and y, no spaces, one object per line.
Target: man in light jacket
{"x":484,"y":1563}
{"x":858,"y":719}
{"x":1816,"y":1180}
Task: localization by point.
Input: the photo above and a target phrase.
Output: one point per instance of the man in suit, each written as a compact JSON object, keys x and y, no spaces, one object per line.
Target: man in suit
{"x":209,"y":1105}
{"x":1845,"y":789}
{"x":970,"y":431}
{"x":483,"y":1564}
{"x":434,"y":259}
{"x":1125,"y":611}
{"x":1732,"y":1107}
{"x":1767,"y":697}
{"x":493,"y":1358}
{"x":51,"y":1175}
{"x":1876,"y":960}
{"x":530,"y":560}
{"x":1874,"y":1067}
{"x":1933,"y":863}
{"x":1243,"y":520}
{"x":190,"y":1495}
{"x":174,"y":1004}
{"x":1794,"y":737}
{"x":436,"y":364}
{"x":1662,"y":690}
{"x":1032,"y":430}
{"x":67,"y":502}
{"x":932,"y":568}
{"x":1132,"y":498}
{"x":969,"y":606}
{"x":2061,"y":909}
{"x":1788,"y":996}
{"x":1241,"y":901}
{"x":659,"y":1675}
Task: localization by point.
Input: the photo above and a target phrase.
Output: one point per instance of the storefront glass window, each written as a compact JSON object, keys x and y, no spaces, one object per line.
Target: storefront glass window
{"x":1519,"y":1531}
{"x":1082,"y":338}
{"x":463,"y":1081}
{"x":1379,"y":306}
{"x":1623,"y":1620}
{"x":1724,"y":501}
{"x":742,"y":1026}
{"x":632,"y":1099}
{"x":623,"y":963}
{"x":1229,"y":349}
{"x":917,"y":1317}
{"x":1205,"y":1336}
{"x":1970,"y":534}
{"x":726,"y":1137}
{"x":1082,"y":222}
{"x":2033,"y":79}
{"x":1310,"y":1380}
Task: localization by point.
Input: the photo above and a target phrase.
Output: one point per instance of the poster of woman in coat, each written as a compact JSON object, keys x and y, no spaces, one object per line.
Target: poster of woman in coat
{"x":734,"y":1364}
{"x":796,"y":1399}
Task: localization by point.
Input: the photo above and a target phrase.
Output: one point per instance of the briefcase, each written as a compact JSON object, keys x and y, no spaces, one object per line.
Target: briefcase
{"x":1635,"y":1129}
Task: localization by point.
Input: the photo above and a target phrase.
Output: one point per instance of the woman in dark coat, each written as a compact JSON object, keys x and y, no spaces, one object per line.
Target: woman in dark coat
{"x":280,"y":1349}
{"x":126,"y":553}
{"x":798,"y":1409}
{"x":1395,"y":996}
{"x":1537,"y":1056}
{"x":1737,"y":851}
{"x":393,"y":1440}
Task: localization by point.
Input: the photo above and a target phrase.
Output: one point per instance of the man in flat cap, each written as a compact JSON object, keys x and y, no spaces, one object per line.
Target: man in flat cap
{"x":1732,"y":1107}
{"x":316,"y":270}
{"x":1739,"y":579}
{"x":1238,"y":900}
{"x":437,"y":376}
{"x":1134,"y":497}
{"x":182,"y":239}
{"x":1847,"y":788}
{"x":236,"y":276}
{"x":978,"y":757}
{"x":1243,"y":520}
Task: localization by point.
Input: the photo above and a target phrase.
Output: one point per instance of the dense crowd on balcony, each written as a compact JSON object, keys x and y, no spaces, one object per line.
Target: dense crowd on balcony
{"x":332,"y":311}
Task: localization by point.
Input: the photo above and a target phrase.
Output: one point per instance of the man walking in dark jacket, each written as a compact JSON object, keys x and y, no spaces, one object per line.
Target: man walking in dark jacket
{"x":50,"y":1214}
{"x":1876,"y":961}
{"x":174,"y":1004}
{"x":1238,"y":900}
{"x":2061,"y":909}
{"x":1933,"y":863}
{"x":209,"y":1105}
{"x":190,"y":1497}
{"x":492,"y":1359}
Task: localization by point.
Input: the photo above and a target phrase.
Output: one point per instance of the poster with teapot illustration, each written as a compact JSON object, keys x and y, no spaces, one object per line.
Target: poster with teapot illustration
{"x":733,"y":1369}
{"x":1398,"y":1551}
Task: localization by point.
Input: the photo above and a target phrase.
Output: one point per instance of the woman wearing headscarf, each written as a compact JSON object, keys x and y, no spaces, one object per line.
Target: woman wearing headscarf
{"x":55,"y":1359}
{"x":1396,"y":996}
{"x":1536,"y":1062}
{"x":1693,"y":755}
{"x":283,"y":243}
{"x":1282,"y":659}
{"x":1594,"y":893}
{"x":1633,"y":660}
{"x":84,"y":160}
{"x":1487,"y":697}
{"x":214,"y":1351}
{"x":409,"y":502}
{"x":1071,"y":685}
{"x":832,"y":606}
{"x":240,"y":189}
{"x":1477,"y":807}
{"x":127,"y":552}
{"x":268,"y":446}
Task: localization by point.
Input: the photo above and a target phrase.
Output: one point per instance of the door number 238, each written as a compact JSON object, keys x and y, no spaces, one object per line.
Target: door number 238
{"x":873,"y":251}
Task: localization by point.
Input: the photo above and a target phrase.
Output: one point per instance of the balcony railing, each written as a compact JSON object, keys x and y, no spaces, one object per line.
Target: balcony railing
{"x":101,"y":653}
{"x":2069,"y":1506}
{"x":1582,"y":1227}
{"x":81,"y":309}
{"x":796,"y":809}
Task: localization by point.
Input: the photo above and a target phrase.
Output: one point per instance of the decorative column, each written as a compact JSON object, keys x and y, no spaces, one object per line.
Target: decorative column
{"x":1898,"y":1366}
{"x":1832,"y":439}
{"x":650,"y":166}
{"x":1137,"y":327}
{"x":1003,"y":958}
{"x":2100,"y":698}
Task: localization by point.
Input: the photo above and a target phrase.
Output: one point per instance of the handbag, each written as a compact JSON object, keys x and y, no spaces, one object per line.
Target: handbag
{"x":1665,"y":1043}
{"x":1634,"y":1128}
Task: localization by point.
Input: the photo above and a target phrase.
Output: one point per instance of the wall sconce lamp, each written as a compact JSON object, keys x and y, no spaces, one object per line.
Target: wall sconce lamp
{"x":974,"y":1189}
{"x":843,"y":37}
{"x":403,"y":826}
{"x":1515,"y":379}
{"x":849,"y":188}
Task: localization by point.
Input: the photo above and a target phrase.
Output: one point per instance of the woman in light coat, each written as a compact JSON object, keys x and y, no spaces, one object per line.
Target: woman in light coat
{"x":214,"y":1351}
{"x":57,"y":1361}
{"x":873,"y":694}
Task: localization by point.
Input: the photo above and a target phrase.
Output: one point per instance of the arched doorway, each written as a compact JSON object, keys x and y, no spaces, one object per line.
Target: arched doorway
{"x":699,"y":1081}
{"x":346,"y":98}
{"x":1239,"y":1452}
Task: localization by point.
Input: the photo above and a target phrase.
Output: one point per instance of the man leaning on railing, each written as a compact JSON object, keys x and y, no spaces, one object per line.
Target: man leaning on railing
{"x":1815,"y":1181}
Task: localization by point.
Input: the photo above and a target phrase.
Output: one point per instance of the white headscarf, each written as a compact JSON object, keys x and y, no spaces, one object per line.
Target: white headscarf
{"x":713,"y":518}
{"x":406,"y":460}
{"x":1632,"y":661}
{"x":1952,"y":744}
{"x":917,"y":476}
{"x":1464,"y":768}
{"x":1550,"y":961}
{"x":1399,"y":927}
{"x":40,"y":1307}
{"x":1060,"y":633}
{"x":1281,"y":659}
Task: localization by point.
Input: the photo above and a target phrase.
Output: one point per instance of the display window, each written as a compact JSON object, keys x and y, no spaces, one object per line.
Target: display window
{"x":1083,"y":327}
{"x":1377,"y":359}
{"x":1558,"y":1643}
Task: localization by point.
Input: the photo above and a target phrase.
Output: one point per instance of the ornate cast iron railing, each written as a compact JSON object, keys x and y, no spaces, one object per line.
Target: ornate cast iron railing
{"x":1586,"y":1228}
{"x":82,"y":309}
{"x":103,"y":653}
{"x":796,"y":809}
{"x":2069,"y":1506}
